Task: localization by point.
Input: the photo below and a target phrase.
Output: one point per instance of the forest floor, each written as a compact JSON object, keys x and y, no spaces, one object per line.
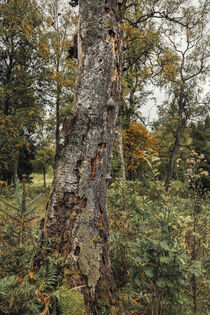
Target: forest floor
{"x":149,"y":230}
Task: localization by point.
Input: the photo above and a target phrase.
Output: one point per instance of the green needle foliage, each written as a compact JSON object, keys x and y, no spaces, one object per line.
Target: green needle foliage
{"x":20,"y":214}
{"x":18,"y":240}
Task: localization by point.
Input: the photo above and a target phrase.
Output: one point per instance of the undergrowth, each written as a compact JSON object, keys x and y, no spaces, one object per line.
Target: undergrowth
{"x":158,"y":251}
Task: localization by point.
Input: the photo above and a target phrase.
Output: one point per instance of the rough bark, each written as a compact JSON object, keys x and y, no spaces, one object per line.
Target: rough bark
{"x":76,"y":218}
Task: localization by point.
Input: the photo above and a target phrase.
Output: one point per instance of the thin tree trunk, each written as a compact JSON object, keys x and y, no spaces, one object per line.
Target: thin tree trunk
{"x":122,"y":161}
{"x":76,"y":213}
{"x":15,"y":168}
{"x":57,"y":130}
{"x":23,"y":210}
{"x":176,"y":145}
{"x":173,"y":156}
{"x":44,"y":176}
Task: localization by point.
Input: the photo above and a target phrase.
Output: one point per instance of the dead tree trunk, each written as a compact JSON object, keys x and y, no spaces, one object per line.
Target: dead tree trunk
{"x":76,"y":220}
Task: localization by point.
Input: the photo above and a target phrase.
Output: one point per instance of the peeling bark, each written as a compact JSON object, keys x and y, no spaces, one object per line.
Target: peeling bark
{"x":76,"y":217}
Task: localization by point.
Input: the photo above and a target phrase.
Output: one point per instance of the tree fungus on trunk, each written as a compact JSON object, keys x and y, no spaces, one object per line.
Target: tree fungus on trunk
{"x":76,"y":222}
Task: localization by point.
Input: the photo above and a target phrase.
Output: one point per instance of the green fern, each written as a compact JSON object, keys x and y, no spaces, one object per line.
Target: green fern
{"x":52,"y":274}
{"x":49,"y":276}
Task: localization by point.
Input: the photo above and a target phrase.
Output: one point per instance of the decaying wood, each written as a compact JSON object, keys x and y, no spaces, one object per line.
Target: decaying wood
{"x":76,"y":218}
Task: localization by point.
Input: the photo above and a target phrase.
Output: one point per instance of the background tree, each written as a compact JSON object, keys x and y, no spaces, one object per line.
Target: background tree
{"x":144,"y":24}
{"x":183,"y":65}
{"x":200,"y":134}
{"x":139,"y":45}
{"x":43,"y":159}
{"x":59,"y":27}
{"x":19,"y":102}
{"x":139,"y":148}
{"x":144,"y":43}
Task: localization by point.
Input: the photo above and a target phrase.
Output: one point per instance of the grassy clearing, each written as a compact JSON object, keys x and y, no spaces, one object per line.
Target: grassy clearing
{"x":36,"y":188}
{"x":37,"y":179}
{"x":34,"y":191}
{"x":40,"y":203}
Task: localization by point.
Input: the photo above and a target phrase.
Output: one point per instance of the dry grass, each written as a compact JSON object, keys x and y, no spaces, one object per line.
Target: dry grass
{"x":38,"y":181}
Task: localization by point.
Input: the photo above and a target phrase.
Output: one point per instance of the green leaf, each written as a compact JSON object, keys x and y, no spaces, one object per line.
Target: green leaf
{"x":181,"y":260}
{"x":164,"y":259}
{"x":161,"y":283}
{"x":195,"y":269}
{"x":164,"y":245}
{"x":149,"y":272}
{"x":196,"y":234}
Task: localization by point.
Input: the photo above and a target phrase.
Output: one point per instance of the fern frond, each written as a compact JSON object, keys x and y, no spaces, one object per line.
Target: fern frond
{"x":52,"y":274}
